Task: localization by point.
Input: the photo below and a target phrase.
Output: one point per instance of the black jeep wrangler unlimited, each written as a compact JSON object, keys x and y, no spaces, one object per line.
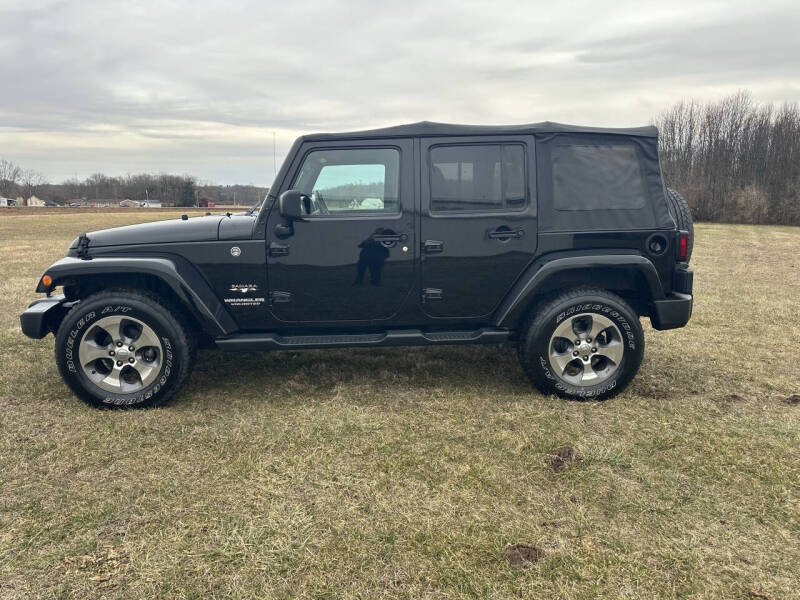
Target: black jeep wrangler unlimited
{"x":554,"y":237}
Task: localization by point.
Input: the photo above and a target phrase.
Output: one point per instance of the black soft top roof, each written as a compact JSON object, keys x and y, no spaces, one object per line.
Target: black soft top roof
{"x":430,"y":129}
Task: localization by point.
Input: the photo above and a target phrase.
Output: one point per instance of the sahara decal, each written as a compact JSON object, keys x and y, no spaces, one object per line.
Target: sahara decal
{"x":243,"y":287}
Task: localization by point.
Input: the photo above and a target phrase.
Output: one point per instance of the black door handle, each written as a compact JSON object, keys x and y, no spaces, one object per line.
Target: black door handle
{"x":504,"y":233}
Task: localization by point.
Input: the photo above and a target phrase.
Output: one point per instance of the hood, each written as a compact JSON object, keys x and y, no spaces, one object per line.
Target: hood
{"x":195,"y":229}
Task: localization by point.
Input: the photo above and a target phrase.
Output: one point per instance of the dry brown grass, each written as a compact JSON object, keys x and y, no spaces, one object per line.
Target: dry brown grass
{"x":411,"y":473}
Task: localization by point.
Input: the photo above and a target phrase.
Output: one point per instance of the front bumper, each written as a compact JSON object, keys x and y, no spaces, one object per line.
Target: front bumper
{"x":43,"y":316}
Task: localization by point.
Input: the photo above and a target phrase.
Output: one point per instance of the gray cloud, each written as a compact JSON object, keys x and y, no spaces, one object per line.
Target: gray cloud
{"x":199,"y":86}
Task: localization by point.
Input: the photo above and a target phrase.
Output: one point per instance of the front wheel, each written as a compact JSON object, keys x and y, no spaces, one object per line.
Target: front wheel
{"x":123,"y":348}
{"x":586,"y":343}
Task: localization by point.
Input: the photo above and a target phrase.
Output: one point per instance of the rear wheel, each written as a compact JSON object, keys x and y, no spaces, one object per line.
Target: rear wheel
{"x":123,"y":348}
{"x":679,"y":209}
{"x":584,"y":343}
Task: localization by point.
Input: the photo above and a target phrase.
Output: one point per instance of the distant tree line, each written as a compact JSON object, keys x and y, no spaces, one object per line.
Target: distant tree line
{"x":170,"y":190}
{"x":734,"y":160}
{"x":341,"y":196}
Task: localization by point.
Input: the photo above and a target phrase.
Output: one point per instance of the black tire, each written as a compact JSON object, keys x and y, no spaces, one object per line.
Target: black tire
{"x":679,"y":209}
{"x":178,"y":347}
{"x":534,"y":344}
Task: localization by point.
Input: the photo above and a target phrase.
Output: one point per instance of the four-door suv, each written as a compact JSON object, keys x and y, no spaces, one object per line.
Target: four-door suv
{"x":554,"y":237}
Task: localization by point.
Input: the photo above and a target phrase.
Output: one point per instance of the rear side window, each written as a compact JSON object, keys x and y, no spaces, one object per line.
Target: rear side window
{"x":477,"y":178}
{"x":597,"y":177}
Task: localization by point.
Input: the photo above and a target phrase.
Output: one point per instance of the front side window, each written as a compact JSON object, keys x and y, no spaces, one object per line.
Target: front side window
{"x":477,"y":178}
{"x":353,"y":181}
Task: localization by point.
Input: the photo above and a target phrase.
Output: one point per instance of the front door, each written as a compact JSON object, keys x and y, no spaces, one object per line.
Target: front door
{"x":352,"y":258}
{"x":478,"y":221}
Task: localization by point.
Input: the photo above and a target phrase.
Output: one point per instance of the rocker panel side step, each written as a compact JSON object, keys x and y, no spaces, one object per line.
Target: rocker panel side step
{"x":398,"y":337}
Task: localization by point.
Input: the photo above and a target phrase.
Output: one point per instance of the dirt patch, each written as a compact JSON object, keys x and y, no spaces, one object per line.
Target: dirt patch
{"x":559,"y":458}
{"x":522,"y":555}
{"x":658,"y":394}
{"x":101,"y":567}
{"x":792,"y":400}
{"x":554,"y":524}
{"x":734,"y":398}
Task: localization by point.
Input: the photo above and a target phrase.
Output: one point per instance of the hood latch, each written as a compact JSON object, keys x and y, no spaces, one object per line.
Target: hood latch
{"x":83,"y":247}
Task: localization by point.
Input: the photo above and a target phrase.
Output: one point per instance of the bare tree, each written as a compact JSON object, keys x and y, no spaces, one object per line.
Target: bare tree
{"x":31,"y":182}
{"x":734,"y":160}
{"x":9,"y":178}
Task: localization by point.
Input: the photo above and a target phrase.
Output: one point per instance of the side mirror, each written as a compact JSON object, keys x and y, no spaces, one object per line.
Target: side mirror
{"x":291,"y":205}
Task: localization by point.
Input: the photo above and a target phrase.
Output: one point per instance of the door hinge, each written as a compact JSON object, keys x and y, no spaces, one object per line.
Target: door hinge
{"x":432,"y":246}
{"x":279,"y":297}
{"x":276,"y":249}
{"x":429,"y":294}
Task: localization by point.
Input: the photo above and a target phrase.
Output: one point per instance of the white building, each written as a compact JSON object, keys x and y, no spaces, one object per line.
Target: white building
{"x":34,"y":201}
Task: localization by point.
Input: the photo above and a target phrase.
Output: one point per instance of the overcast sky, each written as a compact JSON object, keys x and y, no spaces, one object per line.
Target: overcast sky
{"x":198,"y":87}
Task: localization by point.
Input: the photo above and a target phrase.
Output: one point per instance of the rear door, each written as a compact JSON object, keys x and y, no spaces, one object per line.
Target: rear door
{"x":478,"y":221}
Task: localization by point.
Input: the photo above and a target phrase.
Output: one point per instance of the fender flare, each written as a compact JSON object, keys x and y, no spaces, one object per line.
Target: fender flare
{"x":530,"y":282}
{"x":191,"y":289}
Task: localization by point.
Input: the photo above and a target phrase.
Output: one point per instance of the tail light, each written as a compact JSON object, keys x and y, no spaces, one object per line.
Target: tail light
{"x":683,"y":245}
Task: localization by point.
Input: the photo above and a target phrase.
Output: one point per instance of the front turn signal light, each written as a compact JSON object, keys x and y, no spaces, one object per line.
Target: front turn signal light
{"x":47,"y":281}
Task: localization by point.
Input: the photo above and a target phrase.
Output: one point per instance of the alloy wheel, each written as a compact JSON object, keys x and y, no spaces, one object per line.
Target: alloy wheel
{"x":120,"y":354}
{"x":586,"y":349}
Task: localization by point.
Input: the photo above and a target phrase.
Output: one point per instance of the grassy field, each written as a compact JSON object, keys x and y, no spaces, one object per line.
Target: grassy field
{"x":406,"y":473}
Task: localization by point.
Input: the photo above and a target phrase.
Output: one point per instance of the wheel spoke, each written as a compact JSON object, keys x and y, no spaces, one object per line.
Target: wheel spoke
{"x":112,"y":326}
{"x":147,"y":337}
{"x":112,"y":380}
{"x":561,"y":360}
{"x":564,"y":330}
{"x":147,"y":371}
{"x":90,"y":352}
{"x":599,"y":324}
{"x":588,"y":375}
{"x":613,"y":351}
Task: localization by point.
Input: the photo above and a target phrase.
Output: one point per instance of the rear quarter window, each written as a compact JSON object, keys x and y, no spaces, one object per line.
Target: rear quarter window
{"x":597,"y":177}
